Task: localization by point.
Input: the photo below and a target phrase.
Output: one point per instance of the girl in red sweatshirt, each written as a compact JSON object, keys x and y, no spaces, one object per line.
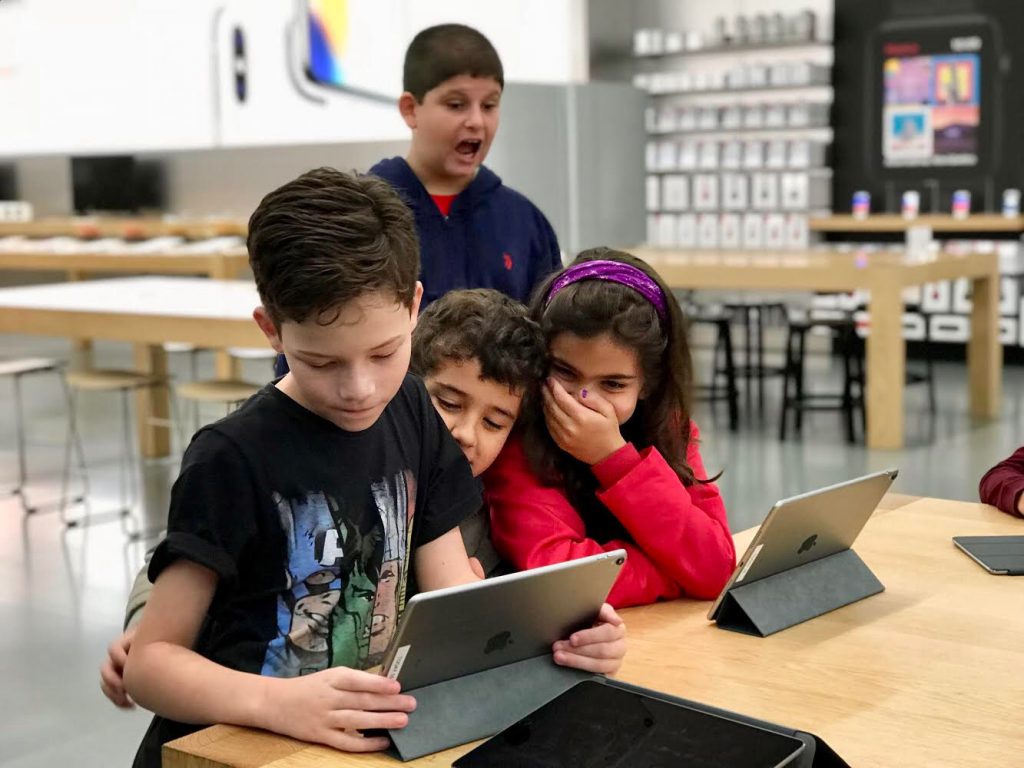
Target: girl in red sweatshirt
{"x":608,"y":456}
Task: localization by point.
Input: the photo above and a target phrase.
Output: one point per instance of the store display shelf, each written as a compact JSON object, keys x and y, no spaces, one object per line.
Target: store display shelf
{"x":753,"y":48}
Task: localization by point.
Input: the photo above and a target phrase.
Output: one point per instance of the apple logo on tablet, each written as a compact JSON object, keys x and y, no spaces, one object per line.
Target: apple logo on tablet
{"x":809,"y":542}
{"x":499,"y":642}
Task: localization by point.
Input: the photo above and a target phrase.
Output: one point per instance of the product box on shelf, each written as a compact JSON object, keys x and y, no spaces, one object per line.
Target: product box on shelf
{"x":667,"y":230}
{"x":732,"y":118}
{"x":775,"y":231}
{"x":686,"y":230}
{"x":764,"y":191}
{"x":732,"y":155}
{"x":753,"y":230}
{"x":687,"y":155}
{"x":775,"y":116}
{"x":708,"y":155}
{"x":775,"y":155}
{"x":707,"y":230}
{"x":653,"y":193}
{"x":668,"y":156}
{"x":707,"y":119}
{"x":734,"y":192}
{"x":705,"y":192}
{"x":797,"y":234}
{"x":730,"y":230}
{"x":753,"y":155}
{"x":794,"y":191}
{"x":806,"y":154}
{"x":675,"y":192}
{"x":753,"y":116}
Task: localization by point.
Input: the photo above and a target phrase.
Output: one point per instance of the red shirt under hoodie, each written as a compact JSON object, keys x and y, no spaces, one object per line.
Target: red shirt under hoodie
{"x":679,"y":541}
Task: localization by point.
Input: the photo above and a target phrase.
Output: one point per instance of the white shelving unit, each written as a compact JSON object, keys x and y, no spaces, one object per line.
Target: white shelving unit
{"x":738,"y":137}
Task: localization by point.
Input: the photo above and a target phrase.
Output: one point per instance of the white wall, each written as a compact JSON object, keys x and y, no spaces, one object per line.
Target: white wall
{"x":143,"y":75}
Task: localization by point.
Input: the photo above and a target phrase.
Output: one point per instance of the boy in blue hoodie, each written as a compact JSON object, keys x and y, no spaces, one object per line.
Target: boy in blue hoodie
{"x":474,"y":231}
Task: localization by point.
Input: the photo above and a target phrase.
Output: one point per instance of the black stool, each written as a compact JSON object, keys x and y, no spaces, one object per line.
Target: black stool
{"x":753,"y":316}
{"x":722,"y":385}
{"x":794,"y":396}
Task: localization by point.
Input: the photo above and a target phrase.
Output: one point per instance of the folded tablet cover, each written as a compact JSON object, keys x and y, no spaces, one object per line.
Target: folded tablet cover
{"x":599,"y":724}
{"x":998,"y":553}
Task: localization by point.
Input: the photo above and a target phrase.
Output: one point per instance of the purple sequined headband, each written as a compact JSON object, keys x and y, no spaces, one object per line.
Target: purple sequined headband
{"x":615,"y":272}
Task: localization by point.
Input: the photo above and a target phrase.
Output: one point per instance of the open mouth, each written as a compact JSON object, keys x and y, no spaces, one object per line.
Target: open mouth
{"x":469,"y":148}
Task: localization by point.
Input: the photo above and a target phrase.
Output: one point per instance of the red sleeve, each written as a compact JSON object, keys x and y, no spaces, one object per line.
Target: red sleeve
{"x":1003,"y":484}
{"x":681,"y":544}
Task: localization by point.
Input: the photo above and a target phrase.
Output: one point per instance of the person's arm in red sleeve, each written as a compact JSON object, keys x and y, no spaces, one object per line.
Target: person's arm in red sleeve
{"x":684,"y":530}
{"x":1003,"y":485}
{"x":533,"y":525}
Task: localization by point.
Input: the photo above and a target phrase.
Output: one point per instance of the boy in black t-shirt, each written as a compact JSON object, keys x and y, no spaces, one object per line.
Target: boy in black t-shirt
{"x":295,"y":521}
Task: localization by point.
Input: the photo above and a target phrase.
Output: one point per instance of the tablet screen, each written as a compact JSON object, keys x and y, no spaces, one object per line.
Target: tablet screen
{"x":594,"y":725}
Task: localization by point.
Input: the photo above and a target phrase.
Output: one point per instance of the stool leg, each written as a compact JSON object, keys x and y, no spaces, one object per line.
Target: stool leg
{"x":748,"y":353}
{"x":760,"y":359}
{"x":713,"y":393}
{"x":801,"y":340}
{"x":929,"y":368}
{"x":732,"y":395}
{"x":19,"y":424}
{"x":126,"y":468}
{"x":787,"y":376}
{"x":847,"y":344}
{"x":73,"y":444}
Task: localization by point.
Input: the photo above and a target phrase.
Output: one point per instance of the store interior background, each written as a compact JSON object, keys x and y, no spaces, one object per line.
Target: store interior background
{"x":155,"y":79}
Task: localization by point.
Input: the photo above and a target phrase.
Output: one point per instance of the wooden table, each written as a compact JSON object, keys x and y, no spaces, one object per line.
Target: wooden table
{"x":885,"y":275}
{"x":928,"y":673}
{"x":147,"y":311}
{"x":225,"y":264}
{"x":129,"y":227}
{"x":891,"y":222}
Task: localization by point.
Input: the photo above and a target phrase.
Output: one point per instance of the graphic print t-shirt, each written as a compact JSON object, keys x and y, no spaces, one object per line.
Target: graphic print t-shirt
{"x":310,"y":529}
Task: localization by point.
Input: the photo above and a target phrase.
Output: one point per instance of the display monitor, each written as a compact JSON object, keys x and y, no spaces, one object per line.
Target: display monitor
{"x":932,"y":113}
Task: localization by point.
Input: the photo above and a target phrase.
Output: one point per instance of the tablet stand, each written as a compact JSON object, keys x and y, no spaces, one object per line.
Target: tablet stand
{"x":778,"y":602}
{"x":479,"y":705}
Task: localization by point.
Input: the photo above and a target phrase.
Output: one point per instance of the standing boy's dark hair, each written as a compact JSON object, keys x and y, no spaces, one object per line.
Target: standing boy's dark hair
{"x":591,"y":308}
{"x":448,"y":50}
{"x":485,"y":325}
{"x":328,"y":237}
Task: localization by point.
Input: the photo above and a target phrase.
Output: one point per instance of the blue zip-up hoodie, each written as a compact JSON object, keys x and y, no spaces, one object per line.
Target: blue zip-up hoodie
{"x":492,"y":237}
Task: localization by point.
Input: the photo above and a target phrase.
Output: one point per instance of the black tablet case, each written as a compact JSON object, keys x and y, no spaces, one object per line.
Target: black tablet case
{"x":999,"y":553}
{"x":791,"y":597}
{"x":816,"y":753}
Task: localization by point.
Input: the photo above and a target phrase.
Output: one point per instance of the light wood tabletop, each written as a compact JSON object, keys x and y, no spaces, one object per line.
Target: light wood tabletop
{"x":130,"y":227}
{"x":891,"y":222}
{"x":146,"y":311}
{"x":224,"y":264}
{"x":928,"y":673}
{"x":884,"y":274}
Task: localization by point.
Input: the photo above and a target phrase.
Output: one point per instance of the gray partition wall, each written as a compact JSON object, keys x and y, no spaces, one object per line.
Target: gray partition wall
{"x":577,"y":152}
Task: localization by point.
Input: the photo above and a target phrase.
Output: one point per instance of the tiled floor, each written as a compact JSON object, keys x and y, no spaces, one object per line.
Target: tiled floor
{"x":62,"y":592}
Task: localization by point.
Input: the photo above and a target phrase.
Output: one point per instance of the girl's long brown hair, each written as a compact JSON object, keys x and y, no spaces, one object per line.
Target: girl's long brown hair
{"x":591,"y":308}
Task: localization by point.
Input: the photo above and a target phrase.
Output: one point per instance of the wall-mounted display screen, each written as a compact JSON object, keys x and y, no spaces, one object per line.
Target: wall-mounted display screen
{"x":932,"y":111}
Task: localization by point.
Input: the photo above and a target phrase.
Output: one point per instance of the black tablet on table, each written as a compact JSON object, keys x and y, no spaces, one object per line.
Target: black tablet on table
{"x":598,"y":725}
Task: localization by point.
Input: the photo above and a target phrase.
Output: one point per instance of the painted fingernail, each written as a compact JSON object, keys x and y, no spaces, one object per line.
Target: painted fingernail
{"x":583,"y":393}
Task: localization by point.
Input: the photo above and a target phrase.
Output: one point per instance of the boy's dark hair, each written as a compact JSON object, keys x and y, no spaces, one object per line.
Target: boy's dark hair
{"x":328,"y":237}
{"x":483,"y":325}
{"x":448,"y":50}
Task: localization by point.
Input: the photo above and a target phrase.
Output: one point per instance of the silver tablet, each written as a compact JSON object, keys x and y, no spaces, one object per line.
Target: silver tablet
{"x":457,"y":631}
{"x":809,"y":527}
